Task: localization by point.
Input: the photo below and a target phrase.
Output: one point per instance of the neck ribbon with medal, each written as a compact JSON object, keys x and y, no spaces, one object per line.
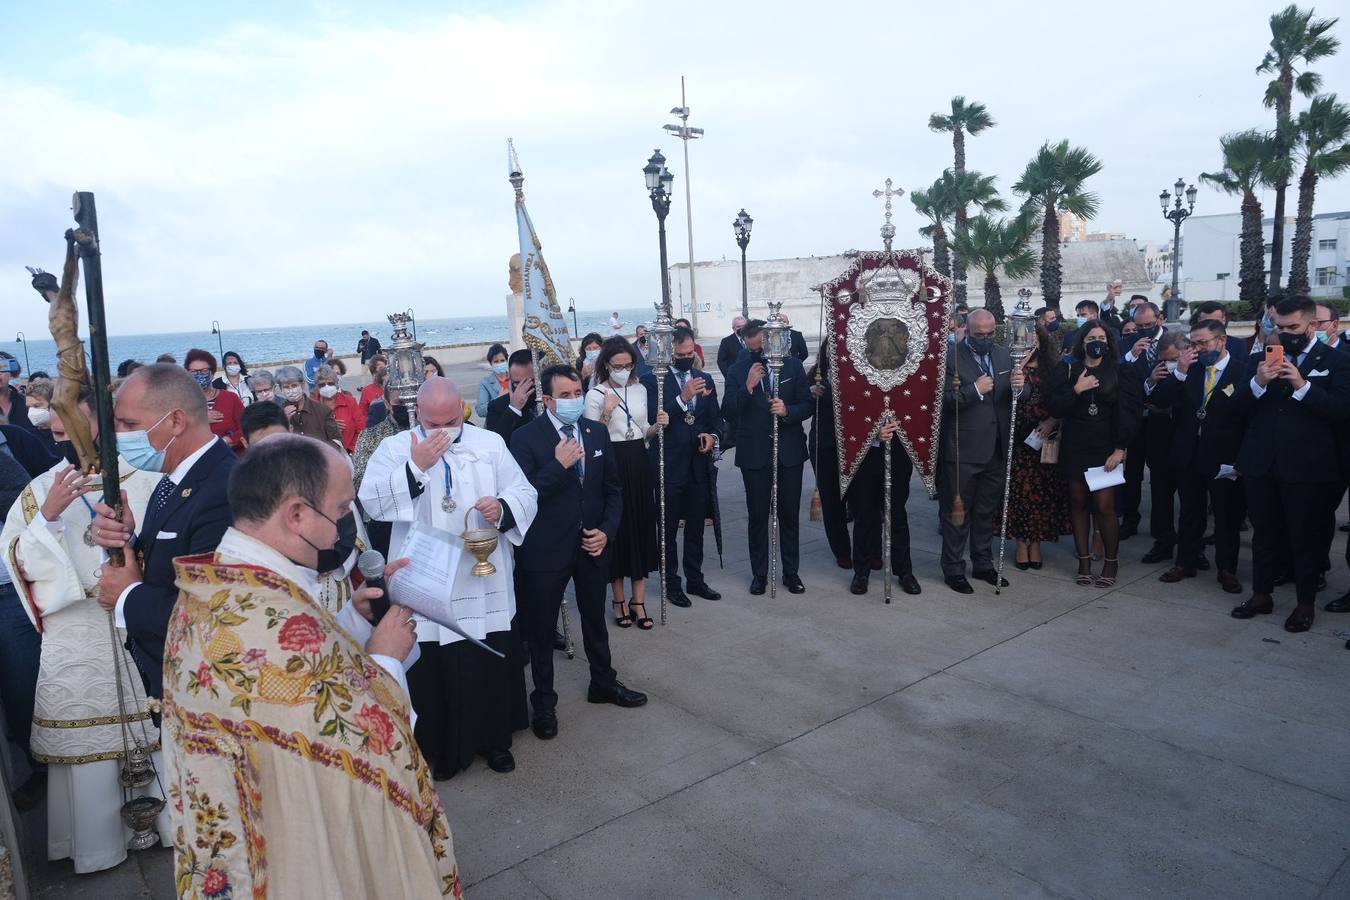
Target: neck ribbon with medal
{"x":631,"y":434}
{"x":693,"y":401}
{"x":447,"y":502}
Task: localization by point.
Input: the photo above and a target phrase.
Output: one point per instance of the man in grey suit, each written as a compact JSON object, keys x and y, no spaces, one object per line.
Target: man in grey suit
{"x":975,"y":417}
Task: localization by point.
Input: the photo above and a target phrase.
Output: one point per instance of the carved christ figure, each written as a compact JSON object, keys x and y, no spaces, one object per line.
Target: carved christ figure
{"x":63,"y":320}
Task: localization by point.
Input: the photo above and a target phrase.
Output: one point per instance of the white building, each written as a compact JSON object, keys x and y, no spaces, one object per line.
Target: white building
{"x":1157,"y":257}
{"x":1088,"y":267}
{"x":1211,"y":245}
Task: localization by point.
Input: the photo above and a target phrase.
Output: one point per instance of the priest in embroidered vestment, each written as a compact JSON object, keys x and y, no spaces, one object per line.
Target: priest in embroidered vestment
{"x":77,"y":717}
{"x":468,"y":701}
{"x":292,"y":768}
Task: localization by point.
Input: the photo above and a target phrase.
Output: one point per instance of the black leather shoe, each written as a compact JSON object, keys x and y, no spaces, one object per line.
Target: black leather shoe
{"x":794,"y":584}
{"x":500,"y":761}
{"x":959,"y":584}
{"x":545,"y":725}
{"x":1300,"y":620}
{"x":1256,"y":605}
{"x":990,"y":577}
{"x":859,"y":585}
{"x":31,"y":792}
{"x":677,"y":598}
{"x":1340,"y":604}
{"x":909,"y":584}
{"x":616,"y":694}
{"x":702,"y":590}
{"x":559,"y":642}
{"x":440,"y":772}
{"x":1158,"y":553}
{"x":758,"y":585}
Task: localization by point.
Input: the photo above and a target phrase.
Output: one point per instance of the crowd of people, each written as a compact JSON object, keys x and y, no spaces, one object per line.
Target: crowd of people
{"x":241,"y":619}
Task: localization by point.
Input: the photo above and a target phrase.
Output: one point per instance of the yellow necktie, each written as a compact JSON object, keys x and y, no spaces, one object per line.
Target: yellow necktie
{"x":1211,"y":376}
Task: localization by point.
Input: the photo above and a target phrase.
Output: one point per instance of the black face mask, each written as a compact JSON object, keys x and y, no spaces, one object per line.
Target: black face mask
{"x":981,"y":346}
{"x":1095,"y":349}
{"x":346,"y":543}
{"x":683,"y":363}
{"x":319,"y":353}
{"x":1294,"y":343}
{"x":400,"y":414}
{"x":67,"y":451}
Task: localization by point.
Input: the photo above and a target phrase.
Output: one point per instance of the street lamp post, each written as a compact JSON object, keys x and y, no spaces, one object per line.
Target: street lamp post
{"x":20,"y":339}
{"x":572,"y":308}
{"x":659,"y":181}
{"x":1176,"y":214}
{"x":742,"y":227}
{"x":687,"y":134}
{"x":220,"y":339}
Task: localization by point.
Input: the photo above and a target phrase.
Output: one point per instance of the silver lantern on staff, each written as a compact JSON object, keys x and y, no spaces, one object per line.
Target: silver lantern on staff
{"x":660,"y":351}
{"x":777,"y":343}
{"x":1021,"y":341}
{"x":407,"y":369}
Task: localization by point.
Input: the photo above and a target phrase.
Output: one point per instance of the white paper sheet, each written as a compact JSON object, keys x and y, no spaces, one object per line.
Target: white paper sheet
{"x":425,"y":584}
{"x":1098,"y":478}
{"x":1034,"y":440}
{"x":1227,"y":472}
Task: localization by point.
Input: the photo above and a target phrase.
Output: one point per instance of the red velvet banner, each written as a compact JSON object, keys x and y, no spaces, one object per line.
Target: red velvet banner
{"x":888,"y":353}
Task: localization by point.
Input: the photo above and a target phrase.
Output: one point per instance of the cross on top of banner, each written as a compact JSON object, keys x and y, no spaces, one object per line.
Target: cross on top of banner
{"x":888,"y":230}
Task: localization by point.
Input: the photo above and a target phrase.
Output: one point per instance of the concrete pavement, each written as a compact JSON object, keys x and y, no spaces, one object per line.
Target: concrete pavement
{"x":1056,"y":741}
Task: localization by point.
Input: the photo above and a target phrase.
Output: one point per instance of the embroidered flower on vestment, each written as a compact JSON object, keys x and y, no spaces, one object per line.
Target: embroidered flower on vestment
{"x":301,"y":632}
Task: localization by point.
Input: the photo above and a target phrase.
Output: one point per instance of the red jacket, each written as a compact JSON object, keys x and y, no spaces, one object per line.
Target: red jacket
{"x":230,"y":407}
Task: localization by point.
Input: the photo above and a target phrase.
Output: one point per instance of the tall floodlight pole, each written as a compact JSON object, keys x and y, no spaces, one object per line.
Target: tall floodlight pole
{"x":742,"y":227}
{"x":687,"y":134}
{"x":1176,"y":215}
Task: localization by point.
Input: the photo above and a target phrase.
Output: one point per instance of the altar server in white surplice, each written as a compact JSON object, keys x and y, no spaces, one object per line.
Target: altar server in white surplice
{"x":468,"y":701}
{"x":77,"y":723}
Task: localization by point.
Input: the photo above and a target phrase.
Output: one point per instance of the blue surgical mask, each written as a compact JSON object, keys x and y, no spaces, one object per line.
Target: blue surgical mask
{"x":137,"y":450}
{"x":1207,"y":358}
{"x":1324,"y":337}
{"x":1052,"y":326}
{"x":1268,"y":325}
{"x":499,"y":369}
{"x":569,"y":409}
{"x":592,"y":355}
{"x":1082,"y":320}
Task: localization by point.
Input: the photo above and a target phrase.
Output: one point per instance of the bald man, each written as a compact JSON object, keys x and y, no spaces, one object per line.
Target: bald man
{"x":450,"y":475}
{"x":162,"y":427}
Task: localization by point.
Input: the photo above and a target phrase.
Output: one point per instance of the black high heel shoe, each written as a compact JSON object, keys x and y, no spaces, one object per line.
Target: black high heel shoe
{"x":644,"y":621}
{"x":625,"y":620}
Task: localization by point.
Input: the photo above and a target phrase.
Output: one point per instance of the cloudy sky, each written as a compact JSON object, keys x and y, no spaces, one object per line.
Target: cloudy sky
{"x":271,"y":163}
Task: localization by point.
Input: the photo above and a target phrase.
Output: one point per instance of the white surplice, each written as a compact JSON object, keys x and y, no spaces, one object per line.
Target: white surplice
{"x":477,"y":465}
{"x":76,"y":723}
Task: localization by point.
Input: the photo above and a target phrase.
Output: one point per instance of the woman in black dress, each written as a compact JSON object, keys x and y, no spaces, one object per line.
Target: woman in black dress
{"x":1098,"y":401}
{"x":1038,"y":505}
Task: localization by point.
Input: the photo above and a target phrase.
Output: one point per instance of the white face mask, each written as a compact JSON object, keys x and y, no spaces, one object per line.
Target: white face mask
{"x":232,"y":370}
{"x":292,"y":394}
{"x":39,"y":416}
{"x":450,"y":431}
{"x":328,"y":391}
{"x":264,"y":395}
{"x":620,"y":376}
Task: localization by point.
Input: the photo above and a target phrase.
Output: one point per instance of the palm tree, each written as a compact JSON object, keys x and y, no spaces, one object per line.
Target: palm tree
{"x":1296,"y":39}
{"x":965,"y":119}
{"x":1323,"y":130}
{"x":1249,"y":160}
{"x":1053,"y":182}
{"x":991,"y":244}
{"x":935,"y":206}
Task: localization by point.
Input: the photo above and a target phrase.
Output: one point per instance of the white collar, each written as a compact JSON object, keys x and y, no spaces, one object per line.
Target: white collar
{"x":181,"y":471}
{"x":235,"y":546}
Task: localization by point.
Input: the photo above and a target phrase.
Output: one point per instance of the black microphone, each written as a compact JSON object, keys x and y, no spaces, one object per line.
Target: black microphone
{"x":371,"y":564}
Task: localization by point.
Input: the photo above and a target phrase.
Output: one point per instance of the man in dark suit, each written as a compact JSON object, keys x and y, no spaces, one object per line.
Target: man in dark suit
{"x":1213,"y":310}
{"x":1161,"y":358}
{"x":748,"y":404}
{"x":731,"y":347}
{"x":691,"y":404}
{"x":1290,"y":460}
{"x":516,"y":407}
{"x":1140,"y":350}
{"x":796,"y":343}
{"x":1207,"y":431}
{"x":162,"y":426}
{"x":974,"y":449}
{"x":569,"y":461}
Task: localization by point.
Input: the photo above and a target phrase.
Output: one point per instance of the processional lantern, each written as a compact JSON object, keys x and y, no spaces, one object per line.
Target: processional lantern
{"x":1021,"y":342}
{"x":777,"y":342}
{"x":407,"y":370}
{"x":1021,"y":327}
{"x":777,"y":337}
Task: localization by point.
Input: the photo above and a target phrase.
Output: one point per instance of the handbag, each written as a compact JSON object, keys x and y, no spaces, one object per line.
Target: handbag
{"x":1050,"y":449}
